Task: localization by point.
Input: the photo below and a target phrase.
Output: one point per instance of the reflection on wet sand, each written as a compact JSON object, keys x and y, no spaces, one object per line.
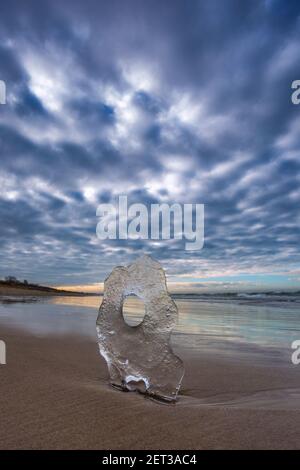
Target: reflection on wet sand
{"x":202,"y":325}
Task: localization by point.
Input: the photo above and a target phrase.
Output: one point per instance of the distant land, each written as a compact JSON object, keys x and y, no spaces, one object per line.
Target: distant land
{"x":14,"y":287}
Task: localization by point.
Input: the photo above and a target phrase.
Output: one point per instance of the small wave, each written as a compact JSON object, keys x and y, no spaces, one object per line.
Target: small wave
{"x":252,"y":296}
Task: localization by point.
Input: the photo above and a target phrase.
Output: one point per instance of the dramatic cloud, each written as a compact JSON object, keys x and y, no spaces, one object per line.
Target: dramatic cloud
{"x":165,"y":101}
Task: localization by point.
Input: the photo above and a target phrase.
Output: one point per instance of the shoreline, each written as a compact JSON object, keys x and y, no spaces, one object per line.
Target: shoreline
{"x":55,"y":394}
{"x":21,"y":291}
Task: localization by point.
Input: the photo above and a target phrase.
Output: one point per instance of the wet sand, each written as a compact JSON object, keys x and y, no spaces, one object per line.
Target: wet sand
{"x":54,"y":395}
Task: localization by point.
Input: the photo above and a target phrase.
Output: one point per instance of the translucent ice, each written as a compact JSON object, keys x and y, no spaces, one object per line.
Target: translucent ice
{"x":140,"y":357}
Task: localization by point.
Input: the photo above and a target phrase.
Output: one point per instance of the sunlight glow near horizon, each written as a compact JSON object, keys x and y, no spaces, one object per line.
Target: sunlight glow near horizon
{"x":259,"y":282}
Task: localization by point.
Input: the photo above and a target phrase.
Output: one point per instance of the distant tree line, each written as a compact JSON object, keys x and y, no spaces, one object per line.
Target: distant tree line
{"x":14,"y":280}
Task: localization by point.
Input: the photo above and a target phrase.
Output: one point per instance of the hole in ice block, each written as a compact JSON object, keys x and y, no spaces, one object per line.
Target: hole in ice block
{"x":133,"y":310}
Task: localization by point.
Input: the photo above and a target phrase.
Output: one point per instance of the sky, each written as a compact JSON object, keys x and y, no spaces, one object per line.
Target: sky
{"x":163,"y":101}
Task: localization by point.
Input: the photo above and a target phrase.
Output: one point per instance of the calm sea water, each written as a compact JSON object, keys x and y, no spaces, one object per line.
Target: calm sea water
{"x":239,"y":325}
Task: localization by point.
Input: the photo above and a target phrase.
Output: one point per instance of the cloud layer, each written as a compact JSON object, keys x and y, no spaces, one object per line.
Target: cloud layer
{"x":165,"y":101}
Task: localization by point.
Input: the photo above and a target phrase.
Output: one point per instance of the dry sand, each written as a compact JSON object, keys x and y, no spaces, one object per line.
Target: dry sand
{"x":54,"y":395}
